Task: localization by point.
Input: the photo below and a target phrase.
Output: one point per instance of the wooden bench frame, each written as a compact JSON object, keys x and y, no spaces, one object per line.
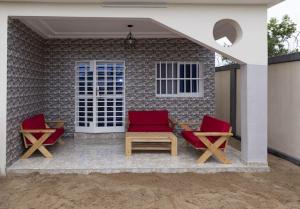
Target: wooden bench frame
{"x":211,"y":148}
{"x":38,"y":144}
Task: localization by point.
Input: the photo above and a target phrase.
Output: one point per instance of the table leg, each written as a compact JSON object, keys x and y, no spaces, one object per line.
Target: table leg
{"x":173,"y":145}
{"x":128,"y":147}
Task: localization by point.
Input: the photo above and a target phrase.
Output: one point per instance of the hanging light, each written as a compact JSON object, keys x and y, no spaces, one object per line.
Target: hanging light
{"x":130,"y":40}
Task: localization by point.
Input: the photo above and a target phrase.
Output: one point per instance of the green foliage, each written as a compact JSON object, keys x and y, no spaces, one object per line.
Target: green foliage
{"x":279,"y":32}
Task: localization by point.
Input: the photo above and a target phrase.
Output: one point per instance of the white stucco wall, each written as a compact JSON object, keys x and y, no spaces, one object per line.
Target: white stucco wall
{"x":3,"y":91}
{"x":195,"y":22}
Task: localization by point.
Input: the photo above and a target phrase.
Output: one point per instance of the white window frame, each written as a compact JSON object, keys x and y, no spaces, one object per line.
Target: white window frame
{"x":199,"y":78}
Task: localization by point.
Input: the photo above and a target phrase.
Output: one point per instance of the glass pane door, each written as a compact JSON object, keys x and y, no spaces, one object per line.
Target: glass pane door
{"x":100,"y":97}
{"x":110,"y":96}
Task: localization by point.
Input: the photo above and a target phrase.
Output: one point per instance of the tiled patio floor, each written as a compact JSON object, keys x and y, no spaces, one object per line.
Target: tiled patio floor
{"x":108,"y":157}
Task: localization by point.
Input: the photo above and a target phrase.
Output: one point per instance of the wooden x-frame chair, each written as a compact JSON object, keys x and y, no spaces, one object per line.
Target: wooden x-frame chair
{"x":204,"y":138}
{"x":37,"y":134}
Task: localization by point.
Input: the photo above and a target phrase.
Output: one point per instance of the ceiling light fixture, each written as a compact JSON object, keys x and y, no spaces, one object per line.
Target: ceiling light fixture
{"x":130,"y":40}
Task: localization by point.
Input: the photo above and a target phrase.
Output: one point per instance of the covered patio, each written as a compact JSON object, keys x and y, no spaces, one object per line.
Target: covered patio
{"x":106,"y":155}
{"x":59,"y":40}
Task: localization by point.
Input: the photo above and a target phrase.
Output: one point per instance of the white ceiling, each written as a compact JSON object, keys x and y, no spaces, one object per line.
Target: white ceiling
{"x":50,"y":27}
{"x":250,"y":2}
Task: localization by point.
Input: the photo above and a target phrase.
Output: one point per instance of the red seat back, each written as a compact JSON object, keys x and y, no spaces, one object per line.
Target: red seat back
{"x":35,"y":122}
{"x":210,"y":124}
{"x":144,"y":118}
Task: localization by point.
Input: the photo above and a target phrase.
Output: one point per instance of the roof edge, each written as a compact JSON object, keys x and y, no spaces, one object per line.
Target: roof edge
{"x":134,"y":3}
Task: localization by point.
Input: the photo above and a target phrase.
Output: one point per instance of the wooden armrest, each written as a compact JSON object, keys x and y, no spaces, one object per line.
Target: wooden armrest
{"x":55,"y":121}
{"x":172,"y":122}
{"x":186,"y":125}
{"x":37,"y":130}
{"x":212,"y":134}
{"x":55,"y":124}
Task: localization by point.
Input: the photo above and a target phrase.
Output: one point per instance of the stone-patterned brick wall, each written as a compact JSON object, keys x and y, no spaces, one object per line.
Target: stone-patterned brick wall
{"x":140,"y":74}
{"x":25,"y":82}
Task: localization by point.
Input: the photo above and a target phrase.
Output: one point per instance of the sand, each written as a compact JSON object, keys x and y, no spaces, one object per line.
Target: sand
{"x":277,"y":189}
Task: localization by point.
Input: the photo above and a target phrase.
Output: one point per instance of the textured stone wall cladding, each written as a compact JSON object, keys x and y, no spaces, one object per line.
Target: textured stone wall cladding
{"x":41,"y":77}
{"x":25,"y":82}
{"x":62,"y":54}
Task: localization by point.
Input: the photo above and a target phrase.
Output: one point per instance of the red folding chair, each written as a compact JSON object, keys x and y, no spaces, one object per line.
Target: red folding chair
{"x":37,"y":134}
{"x":212,"y":136}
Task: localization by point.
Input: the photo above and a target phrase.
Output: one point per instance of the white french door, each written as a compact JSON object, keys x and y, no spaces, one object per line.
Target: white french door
{"x":100,"y":97}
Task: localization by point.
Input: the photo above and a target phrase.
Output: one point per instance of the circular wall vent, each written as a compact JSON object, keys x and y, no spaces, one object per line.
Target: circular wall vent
{"x":227,"y":32}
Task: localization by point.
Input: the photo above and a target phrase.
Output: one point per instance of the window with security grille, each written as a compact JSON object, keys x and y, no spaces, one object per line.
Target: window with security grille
{"x":179,"y":79}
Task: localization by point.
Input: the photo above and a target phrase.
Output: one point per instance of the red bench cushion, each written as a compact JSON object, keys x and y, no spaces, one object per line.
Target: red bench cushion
{"x":150,"y":129}
{"x":148,"y":118}
{"x":209,"y":124}
{"x":38,"y":122}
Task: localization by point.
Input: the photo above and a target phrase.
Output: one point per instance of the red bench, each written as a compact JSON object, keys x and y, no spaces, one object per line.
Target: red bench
{"x":37,"y":134}
{"x":212,"y":136}
{"x":149,"y":121}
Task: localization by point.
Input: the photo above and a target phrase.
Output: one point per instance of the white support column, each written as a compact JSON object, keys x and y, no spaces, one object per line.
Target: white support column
{"x":254,"y":113}
{"x":3,"y":91}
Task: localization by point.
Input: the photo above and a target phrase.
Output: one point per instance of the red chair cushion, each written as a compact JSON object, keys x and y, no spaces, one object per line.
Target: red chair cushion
{"x":150,"y":129}
{"x":53,"y":137}
{"x":148,"y":118}
{"x":209,"y":124}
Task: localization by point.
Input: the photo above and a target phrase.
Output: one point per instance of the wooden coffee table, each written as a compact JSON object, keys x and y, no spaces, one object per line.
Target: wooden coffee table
{"x":150,"y":141}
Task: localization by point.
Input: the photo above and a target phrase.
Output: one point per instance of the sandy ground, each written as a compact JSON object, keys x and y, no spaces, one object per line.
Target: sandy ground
{"x":277,"y":189}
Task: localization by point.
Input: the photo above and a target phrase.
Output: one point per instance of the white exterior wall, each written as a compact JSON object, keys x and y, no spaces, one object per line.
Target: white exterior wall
{"x":222,"y":88}
{"x":283,"y":104}
{"x":194,"y":22}
{"x":254,"y":113}
{"x":3,"y":91}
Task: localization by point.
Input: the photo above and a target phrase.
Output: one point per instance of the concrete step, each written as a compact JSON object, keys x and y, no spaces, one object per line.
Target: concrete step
{"x":99,"y":138}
